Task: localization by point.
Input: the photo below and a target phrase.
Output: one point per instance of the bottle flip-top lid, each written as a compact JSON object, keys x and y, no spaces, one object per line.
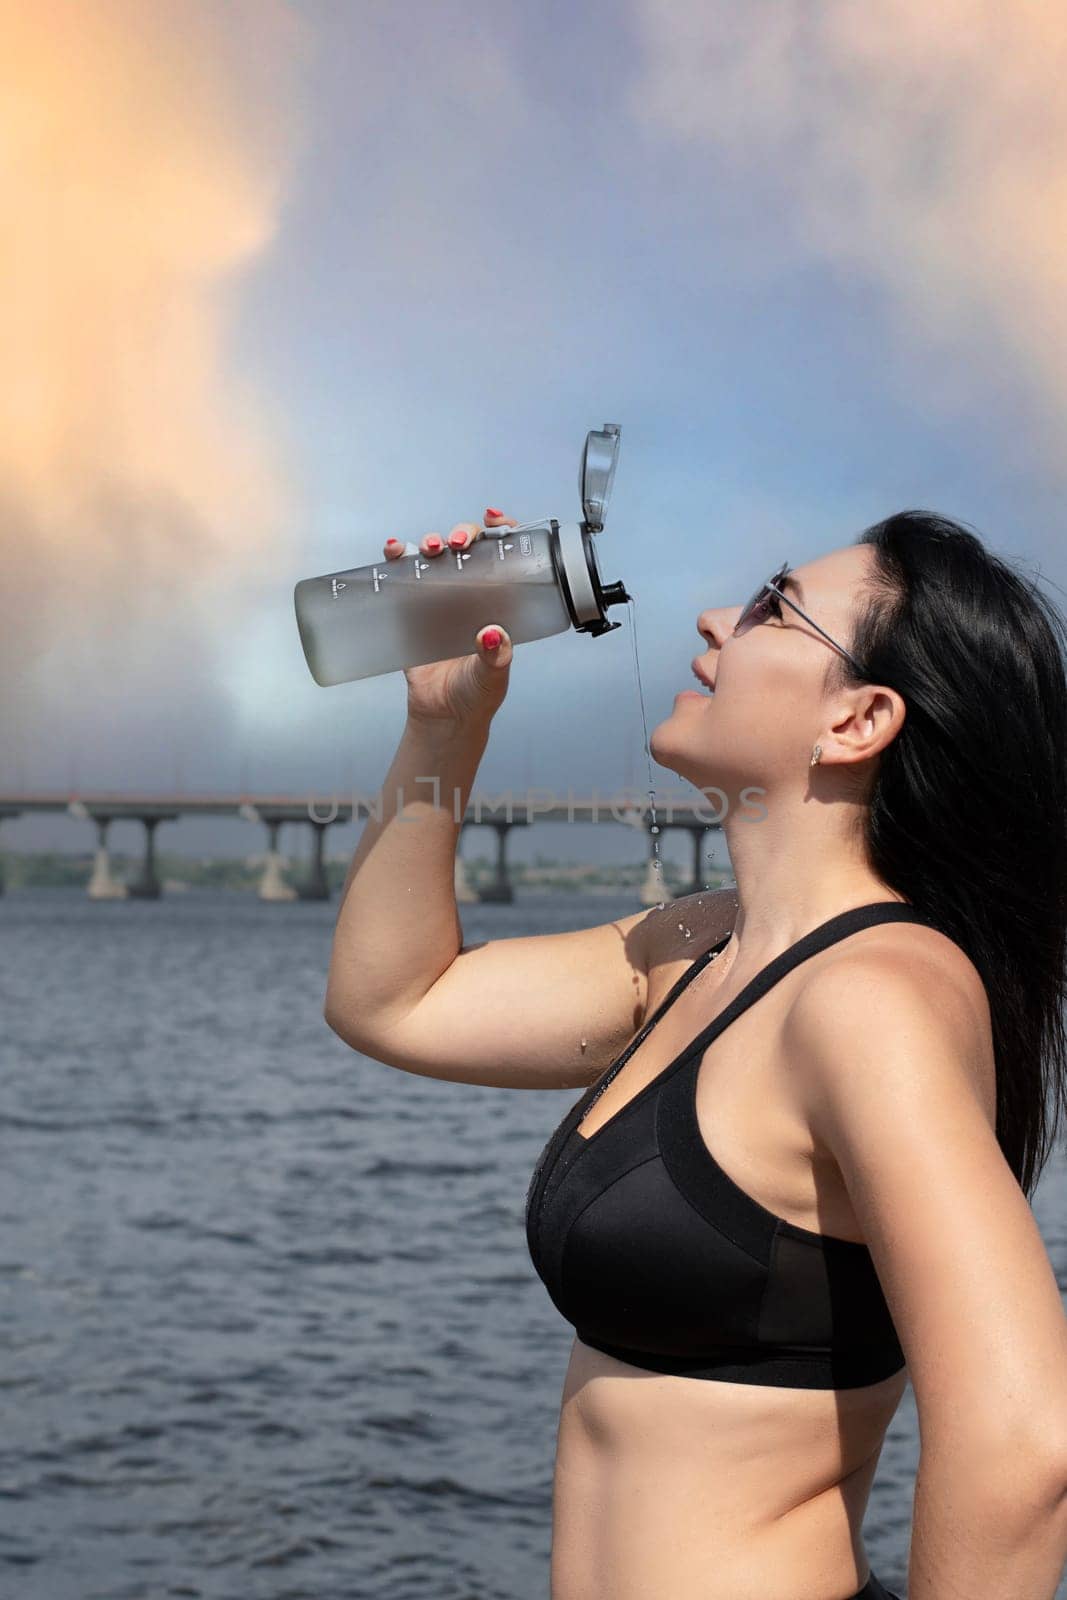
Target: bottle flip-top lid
{"x":586,"y":594}
{"x":597,"y":473}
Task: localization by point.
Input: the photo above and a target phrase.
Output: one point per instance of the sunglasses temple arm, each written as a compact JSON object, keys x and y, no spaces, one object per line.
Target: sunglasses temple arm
{"x":823,"y":631}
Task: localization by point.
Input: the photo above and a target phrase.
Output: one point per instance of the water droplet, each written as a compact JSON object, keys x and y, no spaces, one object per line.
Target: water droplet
{"x":657,"y":865}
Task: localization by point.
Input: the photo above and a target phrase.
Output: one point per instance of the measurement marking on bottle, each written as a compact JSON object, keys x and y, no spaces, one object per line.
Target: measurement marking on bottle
{"x":461,"y":557}
{"x":420,"y":568}
{"x":379,"y":579}
{"x":525,"y":544}
{"x":501,"y":547}
{"x":336,"y":586}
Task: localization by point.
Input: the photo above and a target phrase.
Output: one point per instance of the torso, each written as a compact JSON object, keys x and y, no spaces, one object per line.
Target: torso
{"x":677,"y":1487}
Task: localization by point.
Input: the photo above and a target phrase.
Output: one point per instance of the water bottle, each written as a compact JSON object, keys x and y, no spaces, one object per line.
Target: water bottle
{"x":536,"y":580}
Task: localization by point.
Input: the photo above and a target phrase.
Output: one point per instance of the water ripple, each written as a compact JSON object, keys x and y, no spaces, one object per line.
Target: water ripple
{"x":269,"y":1326}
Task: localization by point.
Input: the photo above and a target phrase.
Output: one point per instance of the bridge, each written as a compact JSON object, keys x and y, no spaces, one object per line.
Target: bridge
{"x":271,"y":811}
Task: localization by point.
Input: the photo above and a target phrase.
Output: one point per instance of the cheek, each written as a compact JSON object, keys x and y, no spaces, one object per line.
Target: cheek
{"x":767,"y":695}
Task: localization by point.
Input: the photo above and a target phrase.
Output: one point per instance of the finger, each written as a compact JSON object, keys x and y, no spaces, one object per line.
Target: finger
{"x":463,"y":535}
{"x":494,"y":645}
{"x":431,"y":544}
{"x":498,"y":519}
{"x":395,"y":548}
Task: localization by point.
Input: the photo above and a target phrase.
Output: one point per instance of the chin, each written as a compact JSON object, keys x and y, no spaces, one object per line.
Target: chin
{"x":659,"y":742}
{"x":665,"y":751}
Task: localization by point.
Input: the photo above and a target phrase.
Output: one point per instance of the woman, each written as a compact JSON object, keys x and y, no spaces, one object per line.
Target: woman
{"x":811,"y":1170}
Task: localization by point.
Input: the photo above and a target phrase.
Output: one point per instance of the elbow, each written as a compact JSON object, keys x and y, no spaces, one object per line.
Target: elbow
{"x":1059,"y":1476}
{"x":342,"y":1020}
{"x":1045,"y":1468}
{"x":1018,"y":1477}
{"x":336,"y":1020}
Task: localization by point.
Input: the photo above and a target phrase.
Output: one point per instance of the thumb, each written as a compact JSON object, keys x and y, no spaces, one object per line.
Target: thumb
{"x":494,"y":647}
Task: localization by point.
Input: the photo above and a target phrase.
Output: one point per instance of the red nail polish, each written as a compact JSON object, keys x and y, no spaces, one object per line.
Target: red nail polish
{"x":491,"y":511}
{"x":433,"y":542}
{"x":457,"y":540}
{"x":392,"y":541}
{"x":491,"y":638}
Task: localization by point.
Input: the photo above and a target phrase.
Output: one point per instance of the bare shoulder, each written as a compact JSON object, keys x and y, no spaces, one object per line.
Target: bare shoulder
{"x":936,"y":966}
{"x":680,"y":930}
{"x":891,"y":1044}
{"x":905,"y":978}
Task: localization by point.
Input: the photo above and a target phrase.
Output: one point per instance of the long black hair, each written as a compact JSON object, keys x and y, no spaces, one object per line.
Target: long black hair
{"x":968,"y":810}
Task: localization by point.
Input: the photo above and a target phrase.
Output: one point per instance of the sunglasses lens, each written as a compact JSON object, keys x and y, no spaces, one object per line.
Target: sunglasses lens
{"x":758,"y":607}
{"x":754,"y":610}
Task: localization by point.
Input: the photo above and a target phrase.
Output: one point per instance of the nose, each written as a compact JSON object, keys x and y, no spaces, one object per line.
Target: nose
{"x":717,"y":624}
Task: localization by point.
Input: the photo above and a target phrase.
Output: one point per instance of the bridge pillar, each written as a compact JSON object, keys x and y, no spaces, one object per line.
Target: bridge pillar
{"x":500,"y":890}
{"x":102,"y":886}
{"x":315,"y":886}
{"x":465,"y":894}
{"x":272,"y":886}
{"x":146,"y":885}
{"x":696,"y":833}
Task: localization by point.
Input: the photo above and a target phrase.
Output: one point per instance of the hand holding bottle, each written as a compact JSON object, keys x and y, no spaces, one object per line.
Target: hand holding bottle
{"x":467,"y":688}
{"x":415,"y":612}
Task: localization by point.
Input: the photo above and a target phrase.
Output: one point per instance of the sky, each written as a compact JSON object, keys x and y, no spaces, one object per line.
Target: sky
{"x":283,"y":278}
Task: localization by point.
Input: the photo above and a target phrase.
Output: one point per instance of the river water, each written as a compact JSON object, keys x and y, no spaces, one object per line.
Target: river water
{"x":269,"y":1328}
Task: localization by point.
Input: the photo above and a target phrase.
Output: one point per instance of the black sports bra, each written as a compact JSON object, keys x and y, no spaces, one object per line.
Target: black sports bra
{"x":658,"y":1258}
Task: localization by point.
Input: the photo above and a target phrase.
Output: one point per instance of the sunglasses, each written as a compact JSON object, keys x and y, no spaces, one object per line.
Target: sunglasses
{"x":766,"y":602}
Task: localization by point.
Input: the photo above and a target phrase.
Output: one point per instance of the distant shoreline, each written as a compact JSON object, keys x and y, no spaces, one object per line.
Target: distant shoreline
{"x":54,"y":869}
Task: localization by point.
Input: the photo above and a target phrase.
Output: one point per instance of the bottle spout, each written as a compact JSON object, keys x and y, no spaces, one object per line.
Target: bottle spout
{"x":608,"y":594}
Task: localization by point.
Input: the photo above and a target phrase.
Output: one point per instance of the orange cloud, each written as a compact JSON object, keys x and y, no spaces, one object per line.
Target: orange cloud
{"x":144,"y":152}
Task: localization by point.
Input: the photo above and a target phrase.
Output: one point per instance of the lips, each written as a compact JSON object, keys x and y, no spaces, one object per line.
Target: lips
{"x":701,"y":675}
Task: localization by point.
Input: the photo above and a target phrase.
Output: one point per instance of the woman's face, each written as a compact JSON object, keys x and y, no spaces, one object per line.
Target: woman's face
{"x":767,"y":710}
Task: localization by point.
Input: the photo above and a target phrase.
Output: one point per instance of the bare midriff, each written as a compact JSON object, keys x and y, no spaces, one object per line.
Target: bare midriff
{"x":671,"y":1488}
{"x":677,"y":1488}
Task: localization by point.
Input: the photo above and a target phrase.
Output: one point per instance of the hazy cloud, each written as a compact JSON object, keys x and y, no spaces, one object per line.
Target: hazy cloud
{"x":922,"y":146}
{"x":145,"y":151}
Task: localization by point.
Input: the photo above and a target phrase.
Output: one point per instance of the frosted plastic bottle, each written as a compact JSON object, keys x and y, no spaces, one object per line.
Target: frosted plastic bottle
{"x":536,"y":580}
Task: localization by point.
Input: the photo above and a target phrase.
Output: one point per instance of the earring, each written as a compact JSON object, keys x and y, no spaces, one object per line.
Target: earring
{"x":816,"y":755}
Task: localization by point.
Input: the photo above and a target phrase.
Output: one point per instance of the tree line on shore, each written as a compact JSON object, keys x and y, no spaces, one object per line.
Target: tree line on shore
{"x":56,"y":869}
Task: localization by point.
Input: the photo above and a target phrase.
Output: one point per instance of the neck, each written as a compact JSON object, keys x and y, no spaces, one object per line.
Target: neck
{"x":797,"y":866}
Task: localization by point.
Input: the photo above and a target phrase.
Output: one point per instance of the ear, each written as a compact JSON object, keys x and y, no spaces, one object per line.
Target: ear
{"x":865,"y":720}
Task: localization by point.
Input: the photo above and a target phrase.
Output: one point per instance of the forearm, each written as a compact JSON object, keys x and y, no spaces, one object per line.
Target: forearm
{"x":398,"y":926}
{"x":971,"y":1539}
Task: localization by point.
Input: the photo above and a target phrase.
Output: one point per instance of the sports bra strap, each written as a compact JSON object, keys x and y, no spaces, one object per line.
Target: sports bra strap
{"x":820,"y":938}
{"x":675,"y":990}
